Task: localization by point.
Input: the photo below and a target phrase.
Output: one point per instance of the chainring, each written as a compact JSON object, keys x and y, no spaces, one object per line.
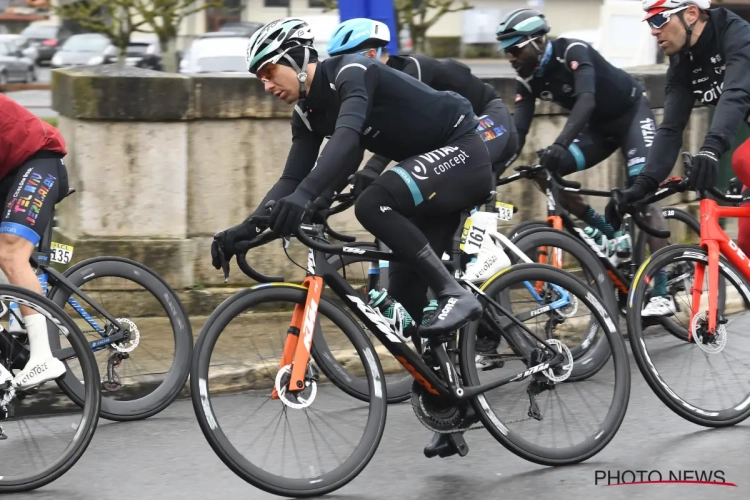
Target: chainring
{"x":435,"y":413}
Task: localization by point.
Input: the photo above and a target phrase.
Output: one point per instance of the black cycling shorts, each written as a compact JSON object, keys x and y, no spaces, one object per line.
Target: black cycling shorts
{"x":498,"y":131}
{"x":440,"y":182}
{"x":31,"y":192}
{"x":632,"y":133}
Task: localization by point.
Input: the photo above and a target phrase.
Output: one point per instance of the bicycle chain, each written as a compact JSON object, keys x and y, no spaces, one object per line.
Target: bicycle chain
{"x":475,"y":427}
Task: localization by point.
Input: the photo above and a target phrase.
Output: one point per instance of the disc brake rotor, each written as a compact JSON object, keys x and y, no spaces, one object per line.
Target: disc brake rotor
{"x":296,"y":399}
{"x":132,"y":342}
{"x":699,"y":327}
{"x":564,"y":370}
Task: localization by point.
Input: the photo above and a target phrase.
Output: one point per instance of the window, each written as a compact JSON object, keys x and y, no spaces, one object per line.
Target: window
{"x":276,"y":3}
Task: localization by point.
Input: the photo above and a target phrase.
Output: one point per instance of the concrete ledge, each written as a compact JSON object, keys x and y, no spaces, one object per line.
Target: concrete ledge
{"x":110,"y":92}
{"x":96,"y":93}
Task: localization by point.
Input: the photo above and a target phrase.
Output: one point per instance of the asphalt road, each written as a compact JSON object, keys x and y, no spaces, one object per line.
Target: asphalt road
{"x":40,"y":101}
{"x":167,"y":457}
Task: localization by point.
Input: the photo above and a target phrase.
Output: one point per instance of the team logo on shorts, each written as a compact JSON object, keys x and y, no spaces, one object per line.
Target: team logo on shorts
{"x":419,"y":171}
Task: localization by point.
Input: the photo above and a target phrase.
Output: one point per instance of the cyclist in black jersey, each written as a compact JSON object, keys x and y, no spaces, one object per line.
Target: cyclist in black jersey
{"x":359,"y":104}
{"x":369,"y":38}
{"x":608,"y":108}
{"x":709,"y":57}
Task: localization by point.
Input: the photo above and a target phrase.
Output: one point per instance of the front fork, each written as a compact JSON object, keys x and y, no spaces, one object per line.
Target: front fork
{"x":712,"y":247}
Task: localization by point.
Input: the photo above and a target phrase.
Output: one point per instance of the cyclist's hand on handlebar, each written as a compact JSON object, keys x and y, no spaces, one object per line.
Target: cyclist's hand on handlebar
{"x":553,"y":157}
{"x":316,"y":210}
{"x":362,"y":179}
{"x":705,"y":168}
{"x":623,"y":200}
{"x":288,"y":212}
{"x":223,"y":246}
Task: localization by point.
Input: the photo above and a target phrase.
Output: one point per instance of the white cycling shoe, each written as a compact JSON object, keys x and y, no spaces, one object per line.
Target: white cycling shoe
{"x":659,"y":306}
{"x":37,"y":372}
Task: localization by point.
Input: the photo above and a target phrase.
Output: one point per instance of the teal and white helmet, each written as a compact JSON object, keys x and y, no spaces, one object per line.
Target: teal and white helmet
{"x":270,"y":43}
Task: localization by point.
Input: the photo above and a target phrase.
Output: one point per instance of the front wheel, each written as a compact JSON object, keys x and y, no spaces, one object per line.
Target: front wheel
{"x":303,"y":413}
{"x":535,"y":398}
{"x":719,"y":395}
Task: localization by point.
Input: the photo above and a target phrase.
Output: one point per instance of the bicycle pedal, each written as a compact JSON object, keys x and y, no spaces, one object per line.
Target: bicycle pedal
{"x":459,"y":444}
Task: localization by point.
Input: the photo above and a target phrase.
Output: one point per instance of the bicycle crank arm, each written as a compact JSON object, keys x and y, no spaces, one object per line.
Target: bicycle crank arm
{"x":69,"y":353}
{"x":449,"y":371}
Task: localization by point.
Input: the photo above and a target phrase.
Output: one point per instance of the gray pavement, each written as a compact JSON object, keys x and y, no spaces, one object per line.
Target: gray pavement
{"x":167,"y":457}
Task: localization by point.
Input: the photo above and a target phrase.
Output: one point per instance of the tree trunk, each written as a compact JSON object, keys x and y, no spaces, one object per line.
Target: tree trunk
{"x":169,"y":55}
{"x":418,"y":39}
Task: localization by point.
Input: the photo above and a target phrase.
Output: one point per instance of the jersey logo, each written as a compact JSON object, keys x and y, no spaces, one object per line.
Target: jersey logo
{"x":567,"y":88}
{"x":419,"y":171}
{"x":574,"y":65}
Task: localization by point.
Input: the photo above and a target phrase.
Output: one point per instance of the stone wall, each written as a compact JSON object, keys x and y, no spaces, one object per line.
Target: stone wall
{"x":163,"y":161}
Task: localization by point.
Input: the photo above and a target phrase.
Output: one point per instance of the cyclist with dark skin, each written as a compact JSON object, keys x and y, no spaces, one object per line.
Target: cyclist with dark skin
{"x":608,"y":111}
{"x":709,"y":57}
{"x":361,"y":104}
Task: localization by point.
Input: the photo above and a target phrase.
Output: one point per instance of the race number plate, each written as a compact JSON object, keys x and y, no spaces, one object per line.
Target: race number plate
{"x":474,"y":231}
{"x":504,"y":210}
{"x":62,"y":254}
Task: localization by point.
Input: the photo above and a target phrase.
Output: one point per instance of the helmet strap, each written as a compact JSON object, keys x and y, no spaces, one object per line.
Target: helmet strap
{"x":301,"y":76}
{"x":380,"y":51}
{"x":688,"y":33}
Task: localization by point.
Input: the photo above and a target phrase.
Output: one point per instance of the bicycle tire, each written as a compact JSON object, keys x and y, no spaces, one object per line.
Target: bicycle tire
{"x":397,"y":391}
{"x":639,"y":254}
{"x":199,"y":385}
{"x":175,"y":380}
{"x":590,"y":356}
{"x":687,"y":411}
{"x":525,"y":226}
{"x":92,"y":397}
{"x":618,"y":408}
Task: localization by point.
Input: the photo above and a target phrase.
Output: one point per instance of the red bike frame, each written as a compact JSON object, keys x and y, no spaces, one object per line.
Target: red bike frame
{"x":716,"y":242}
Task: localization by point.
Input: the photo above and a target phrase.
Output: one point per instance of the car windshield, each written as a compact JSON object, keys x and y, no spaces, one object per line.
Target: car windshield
{"x":86,"y":43}
{"x":137,"y":49}
{"x":39,"y":32}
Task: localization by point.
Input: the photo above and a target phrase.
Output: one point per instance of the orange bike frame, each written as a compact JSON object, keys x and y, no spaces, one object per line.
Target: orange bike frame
{"x":716,"y":242}
{"x":297,"y":353}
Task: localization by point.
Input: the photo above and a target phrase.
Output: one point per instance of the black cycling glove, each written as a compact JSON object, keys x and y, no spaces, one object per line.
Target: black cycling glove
{"x":704,"y":171}
{"x":553,"y":157}
{"x":288,"y":212}
{"x":223,"y":246}
{"x":362,"y":179}
{"x":642,"y":185}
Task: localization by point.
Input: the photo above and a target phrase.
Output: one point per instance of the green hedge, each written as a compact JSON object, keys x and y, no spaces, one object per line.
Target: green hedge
{"x":52,"y":120}
{"x":444,"y":46}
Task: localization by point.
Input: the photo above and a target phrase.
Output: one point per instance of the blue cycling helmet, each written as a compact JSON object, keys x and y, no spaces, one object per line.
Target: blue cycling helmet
{"x":358,"y":33}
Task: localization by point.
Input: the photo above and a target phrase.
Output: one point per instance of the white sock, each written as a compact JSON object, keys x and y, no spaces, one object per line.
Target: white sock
{"x":36,"y":328}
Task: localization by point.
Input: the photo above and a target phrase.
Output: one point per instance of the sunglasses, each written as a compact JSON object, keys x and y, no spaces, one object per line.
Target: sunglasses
{"x":662,"y":18}
{"x":516,"y":49}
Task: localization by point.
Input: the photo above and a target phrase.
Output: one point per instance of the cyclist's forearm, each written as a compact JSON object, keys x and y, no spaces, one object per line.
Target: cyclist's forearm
{"x":340,"y":158}
{"x":578,"y":118}
{"x":377,"y":163}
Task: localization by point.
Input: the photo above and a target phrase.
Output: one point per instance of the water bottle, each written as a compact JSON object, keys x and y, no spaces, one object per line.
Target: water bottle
{"x":393,"y":312}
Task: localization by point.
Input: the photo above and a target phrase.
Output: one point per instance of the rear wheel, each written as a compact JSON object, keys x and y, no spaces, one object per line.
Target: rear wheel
{"x":506,"y":411}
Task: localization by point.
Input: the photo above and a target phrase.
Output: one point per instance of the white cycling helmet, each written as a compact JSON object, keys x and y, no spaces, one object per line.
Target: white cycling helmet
{"x":654,"y":7}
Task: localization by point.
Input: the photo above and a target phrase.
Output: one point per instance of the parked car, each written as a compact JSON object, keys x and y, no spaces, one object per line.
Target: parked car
{"x":216,"y":52}
{"x":46,"y":37}
{"x":14,"y":65}
{"x":142,"y":52}
{"x":81,"y":50}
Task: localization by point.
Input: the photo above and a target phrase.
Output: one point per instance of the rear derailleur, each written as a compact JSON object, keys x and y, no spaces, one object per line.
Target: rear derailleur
{"x":112,"y":382}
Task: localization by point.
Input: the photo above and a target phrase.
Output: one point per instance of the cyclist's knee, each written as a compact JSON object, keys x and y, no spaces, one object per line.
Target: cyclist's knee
{"x":15,"y":252}
{"x":374,"y":201}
